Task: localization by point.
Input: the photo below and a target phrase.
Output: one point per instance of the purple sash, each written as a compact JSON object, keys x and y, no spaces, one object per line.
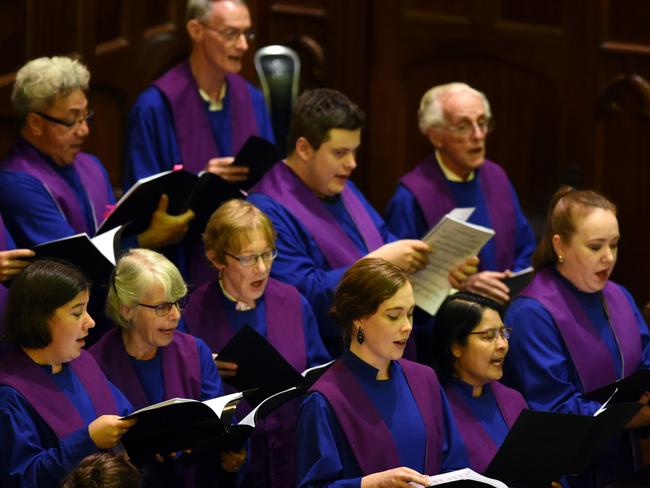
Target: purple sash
{"x":205,"y":317}
{"x":41,"y":392}
{"x":4,"y":292}
{"x":181,"y":367}
{"x":479,"y":445}
{"x":369,"y":437}
{"x":285,"y":187}
{"x":194,"y":134}
{"x":25,"y":158}
{"x":580,"y":337}
{"x":429,"y":187}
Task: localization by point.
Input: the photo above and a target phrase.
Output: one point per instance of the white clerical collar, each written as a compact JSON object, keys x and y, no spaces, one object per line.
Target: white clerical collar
{"x":449,"y":174}
{"x":239,"y":305}
{"x":214,"y":105}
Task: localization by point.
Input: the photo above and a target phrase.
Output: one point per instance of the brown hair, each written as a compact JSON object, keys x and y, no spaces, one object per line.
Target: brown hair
{"x":567,"y":208}
{"x":103,"y":470}
{"x":363,"y":288}
{"x":231,"y":224}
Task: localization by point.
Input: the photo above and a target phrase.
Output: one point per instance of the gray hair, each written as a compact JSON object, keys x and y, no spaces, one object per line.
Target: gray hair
{"x":41,"y":80}
{"x":136,"y":272}
{"x":200,"y":9}
{"x":431,"y":112}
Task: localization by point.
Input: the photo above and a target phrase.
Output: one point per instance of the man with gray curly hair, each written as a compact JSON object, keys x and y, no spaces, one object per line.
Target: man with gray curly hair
{"x":51,"y":189}
{"x":456,"y":119}
{"x":200,"y":112}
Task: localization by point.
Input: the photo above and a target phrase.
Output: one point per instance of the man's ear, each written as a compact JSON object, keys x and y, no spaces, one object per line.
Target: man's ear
{"x":304,"y":149}
{"x":194,"y":30}
{"x":435,"y":137}
{"x":33,"y":124}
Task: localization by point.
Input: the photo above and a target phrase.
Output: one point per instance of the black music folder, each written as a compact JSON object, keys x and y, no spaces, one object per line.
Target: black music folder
{"x":544,"y":446}
{"x":628,"y":389}
{"x":259,"y":155}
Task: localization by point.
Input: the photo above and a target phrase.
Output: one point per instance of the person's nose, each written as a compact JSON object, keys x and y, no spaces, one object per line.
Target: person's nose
{"x":82,"y":129}
{"x":261,"y":266}
{"x":242,"y":42}
{"x":609,"y":256}
{"x":351,"y":161}
{"x":89,"y":323}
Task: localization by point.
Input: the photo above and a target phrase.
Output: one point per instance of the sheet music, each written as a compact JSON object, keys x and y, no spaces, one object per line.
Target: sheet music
{"x":453,"y":241}
{"x":461,"y":474}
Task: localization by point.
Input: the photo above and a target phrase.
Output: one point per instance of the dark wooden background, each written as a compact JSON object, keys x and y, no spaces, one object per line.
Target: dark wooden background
{"x":567,"y":80}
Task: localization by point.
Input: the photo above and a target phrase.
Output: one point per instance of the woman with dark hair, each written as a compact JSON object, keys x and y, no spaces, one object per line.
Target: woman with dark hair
{"x":56,"y":405}
{"x":374,"y":419}
{"x":470,"y":344}
{"x":104,"y":470}
{"x":573,"y":329}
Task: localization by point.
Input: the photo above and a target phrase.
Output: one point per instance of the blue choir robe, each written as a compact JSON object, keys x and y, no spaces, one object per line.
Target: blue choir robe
{"x":32,"y":215}
{"x":301,"y":263}
{"x":256,"y":318}
{"x":539,"y":365}
{"x":30,"y":453}
{"x":324,"y":456}
{"x":151,"y":144}
{"x":406,"y":220}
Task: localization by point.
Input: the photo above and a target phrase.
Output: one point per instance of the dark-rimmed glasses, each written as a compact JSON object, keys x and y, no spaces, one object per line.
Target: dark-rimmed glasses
{"x":490,"y":335}
{"x":250,"y":260}
{"x":163,"y":309}
{"x":87,"y":117}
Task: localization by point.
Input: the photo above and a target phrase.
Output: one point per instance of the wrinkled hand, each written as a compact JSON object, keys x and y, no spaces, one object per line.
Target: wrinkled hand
{"x":231,"y":461}
{"x":396,"y":477}
{"x":409,"y":254}
{"x":223,"y":167}
{"x":226,"y":369}
{"x":459,"y":275}
{"x":12,"y":263}
{"x":165,"y":229}
{"x":489,"y":284}
{"x":107,"y":430}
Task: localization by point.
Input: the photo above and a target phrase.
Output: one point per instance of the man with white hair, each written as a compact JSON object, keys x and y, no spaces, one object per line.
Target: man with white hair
{"x":456,"y":119}
{"x":200,"y":112}
{"x":50,"y":188}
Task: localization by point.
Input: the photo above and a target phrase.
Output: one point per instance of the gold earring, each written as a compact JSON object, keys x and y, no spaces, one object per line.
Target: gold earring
{"x":560,"y":259}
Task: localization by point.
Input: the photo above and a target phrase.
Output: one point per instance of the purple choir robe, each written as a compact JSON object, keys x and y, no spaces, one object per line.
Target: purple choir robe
{"x":4,"y":291}
{"x":369,"y":438}
{"x":274,"y":436}
{"x":479,"y":445}
{"x":195,"y":140}
{"x":429,"y":186}
{"x":284,"y":186}
{"x":580,"y":337}
{"x":24,"y":158}
{"x":180,"y":363}
{"x":28,"y":378}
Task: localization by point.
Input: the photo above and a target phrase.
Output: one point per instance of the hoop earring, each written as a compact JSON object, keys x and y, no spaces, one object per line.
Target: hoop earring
{"x":360,"y":336}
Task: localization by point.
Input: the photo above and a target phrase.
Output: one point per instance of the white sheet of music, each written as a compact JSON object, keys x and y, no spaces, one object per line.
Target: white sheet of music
{"x":453,"y":241}
{"x":461,"y":474}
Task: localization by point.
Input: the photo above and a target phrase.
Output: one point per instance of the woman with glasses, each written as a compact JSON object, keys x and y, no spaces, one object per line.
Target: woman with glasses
{"x":239,"y":241}
{"x":145,"y":355}
{"x":470,"y":344}
{"x":374,"y":419}
{"x":575,"y":330}
{"x":56,"y":405}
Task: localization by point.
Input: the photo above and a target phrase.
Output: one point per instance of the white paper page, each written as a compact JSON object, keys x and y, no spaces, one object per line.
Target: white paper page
{"x":462,"y":474}
{"x":106,"y":243}
{"x":461,"y":213}
{"x":529,"y":269}
{"x":306,"y":372}
{"x":171,"y":401}
{"x":453,"y":242}
{"x":218,"y":404}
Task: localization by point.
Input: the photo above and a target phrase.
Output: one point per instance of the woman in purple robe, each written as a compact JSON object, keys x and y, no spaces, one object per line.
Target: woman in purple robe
{"x":374,"y":419}
{"x":240,"y":242}
{"x":470,"y":344}
{"x":56,"y":405}
{"x":148,"y":359}
{"x":574,"y":330}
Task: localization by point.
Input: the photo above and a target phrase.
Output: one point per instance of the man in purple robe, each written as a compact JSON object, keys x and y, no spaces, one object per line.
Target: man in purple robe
{"x":456,"y":119}
{"x":200,"y":112}
{"x":324,"y":223}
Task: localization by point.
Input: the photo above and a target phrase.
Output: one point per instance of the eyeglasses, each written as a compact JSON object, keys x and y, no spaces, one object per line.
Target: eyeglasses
{"x":250,"y":260}
{"x":87,"y":118}
{"x":230,"y":34}
{"x":490,"y":335}
{"x":163,"y":309}
{"x":466,"y":128}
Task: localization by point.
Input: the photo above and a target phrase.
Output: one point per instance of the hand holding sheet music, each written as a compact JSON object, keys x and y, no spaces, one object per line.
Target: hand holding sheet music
{"x":463,"y":478}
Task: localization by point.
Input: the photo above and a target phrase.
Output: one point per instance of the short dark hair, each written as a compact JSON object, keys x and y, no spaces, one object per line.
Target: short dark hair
{"x":34,"y":296}
{"x":458,"y":315}
{"x":319,"y":111}
{"x":368,"y":283}
{"x":103,"y":470}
